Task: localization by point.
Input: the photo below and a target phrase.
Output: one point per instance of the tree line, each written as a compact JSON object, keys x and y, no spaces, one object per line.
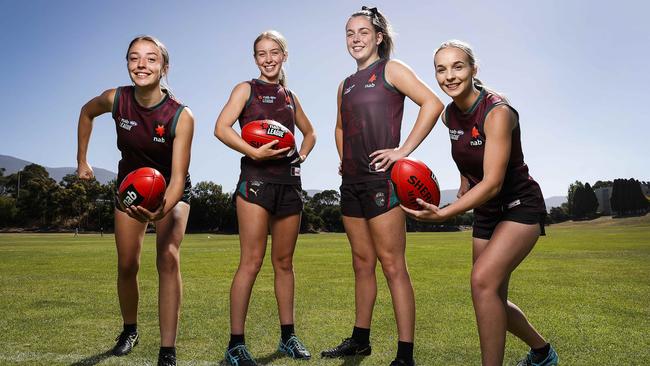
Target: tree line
{"x":627,"y":199}
{"x":31,"y":199}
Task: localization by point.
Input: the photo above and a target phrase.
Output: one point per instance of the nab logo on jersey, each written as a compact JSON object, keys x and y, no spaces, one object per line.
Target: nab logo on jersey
{"x":371,"y":81}
{"x":159,"y":133}
{"x":477,"y":139}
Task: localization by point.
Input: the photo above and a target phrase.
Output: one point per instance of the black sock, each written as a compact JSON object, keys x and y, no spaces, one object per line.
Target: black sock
{"x":405,"y":351}
{"x":539,"y":354}
{"x":131,"y":328}
{"x":167,"y":351}
{"x":286,"y":331}
{"x":361,"y":335}
{"x":236,"y":339}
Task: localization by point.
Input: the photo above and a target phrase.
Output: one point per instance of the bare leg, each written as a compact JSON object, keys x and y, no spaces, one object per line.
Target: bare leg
{"x":129,"y":234}
{"x":253,"y":230}
{"x":389,"y":236}
{"x":510,"y":244}
{"x":170,"y":231}
{"x":364,"y":262}
{"x":284,"y":233}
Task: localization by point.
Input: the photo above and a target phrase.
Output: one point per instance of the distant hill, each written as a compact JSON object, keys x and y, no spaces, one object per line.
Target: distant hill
{"x":554,"y":201}
{"x":12,"y":165}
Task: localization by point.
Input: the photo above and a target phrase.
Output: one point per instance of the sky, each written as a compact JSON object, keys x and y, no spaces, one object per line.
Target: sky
{"x":575,"y":70}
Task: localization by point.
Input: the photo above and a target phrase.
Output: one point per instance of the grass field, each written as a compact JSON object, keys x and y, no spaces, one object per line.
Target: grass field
{"x":586,"y":287}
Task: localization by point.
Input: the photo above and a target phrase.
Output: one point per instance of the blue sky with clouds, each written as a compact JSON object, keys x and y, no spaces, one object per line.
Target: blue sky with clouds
{"x":575,"y":70}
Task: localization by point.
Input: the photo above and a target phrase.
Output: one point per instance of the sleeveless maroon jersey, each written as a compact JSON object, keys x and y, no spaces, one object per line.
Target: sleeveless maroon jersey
{"x":371,"y":114}
{"x":467,"y":134}
{"x":145,"y":136}
{"x":275,"y":102}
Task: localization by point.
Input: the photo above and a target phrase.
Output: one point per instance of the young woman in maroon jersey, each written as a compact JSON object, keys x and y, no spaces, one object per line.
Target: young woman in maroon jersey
{"x":268,"y":193}
{"x":508,"y":205}
{"x":153,"y":130}
{"x":370,"y":108}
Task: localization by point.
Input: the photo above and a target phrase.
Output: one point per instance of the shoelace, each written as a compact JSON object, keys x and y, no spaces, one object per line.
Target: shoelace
{"x":294,"y":343}
{"x":126,"y":337}
{"x":241,"y":353}
{"x":346,"y":342}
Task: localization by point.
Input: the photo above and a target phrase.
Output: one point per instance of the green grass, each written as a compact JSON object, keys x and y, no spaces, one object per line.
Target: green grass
{"x":586,"y":287}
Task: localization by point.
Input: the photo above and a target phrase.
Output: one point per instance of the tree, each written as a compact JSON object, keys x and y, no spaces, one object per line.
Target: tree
{"x":559,"y":214}
{"x":324,"y":211}
{"x":212,"y":209}
{"x":571,"y":196}
{"x":602,"y":184}
{"x":34,"y":197}
{"x":590,"y":201}
{"x":628,"y":198}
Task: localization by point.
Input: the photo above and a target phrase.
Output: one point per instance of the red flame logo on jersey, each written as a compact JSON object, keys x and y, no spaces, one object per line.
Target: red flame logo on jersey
{"x":160,"y":130}
{"x":372,"y":79}
{"x":475,"y":132}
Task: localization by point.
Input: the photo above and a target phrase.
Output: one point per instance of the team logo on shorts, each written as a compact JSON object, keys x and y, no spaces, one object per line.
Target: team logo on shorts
{"x":380,"y":199}
{"x":159,"y":133}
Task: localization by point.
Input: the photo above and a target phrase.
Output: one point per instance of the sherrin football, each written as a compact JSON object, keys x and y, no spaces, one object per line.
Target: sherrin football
{"x":413,"y":179}
{"x":261,"y":132}
{"x":143,"y":187}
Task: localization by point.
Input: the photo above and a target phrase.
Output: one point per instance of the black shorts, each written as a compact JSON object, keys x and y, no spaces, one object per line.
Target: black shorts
{"x":277,"y":198}
{"x":368,"y":199}
{"x":485,"y":221}
{"x":184,"y":198}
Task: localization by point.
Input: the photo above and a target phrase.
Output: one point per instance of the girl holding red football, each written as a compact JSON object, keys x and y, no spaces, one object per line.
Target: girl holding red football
{"x":508,"y":205}
{"x":370,"y":108}
{"x":269,"y":194}
{"x":153,"y":130}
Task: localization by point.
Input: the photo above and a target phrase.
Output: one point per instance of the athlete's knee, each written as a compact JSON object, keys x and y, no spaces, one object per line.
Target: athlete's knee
{"x":394,"y":267}
{"x":364,"y":265}
{"x":128,"y":267}
{"x":251,"y":265}
{"x":283,"y":263}
{"x":483,"y":283}
{"x":168,"y":260}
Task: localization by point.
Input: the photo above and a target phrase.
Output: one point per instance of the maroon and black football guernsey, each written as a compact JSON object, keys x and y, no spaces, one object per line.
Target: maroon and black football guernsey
{"x":145,"y":136}
{"x":371,"y":114}
{"x":275,"y":102}
{"x":467,"y":134}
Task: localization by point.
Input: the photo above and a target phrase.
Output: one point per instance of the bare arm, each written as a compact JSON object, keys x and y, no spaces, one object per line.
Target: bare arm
{"x":406,"y":81}
{"x":225,"y":133}
{"x":499,"y":124}
{"x":307,"y":130}
{"x":95,"y":107}
{"x":338,"y":131}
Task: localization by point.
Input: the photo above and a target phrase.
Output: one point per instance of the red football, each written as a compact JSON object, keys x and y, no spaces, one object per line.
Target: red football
{"x":258,"y":133}
{"x":143,"y":187}
{"x":413,"y":179}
